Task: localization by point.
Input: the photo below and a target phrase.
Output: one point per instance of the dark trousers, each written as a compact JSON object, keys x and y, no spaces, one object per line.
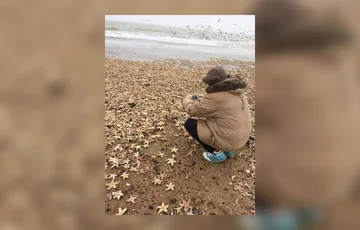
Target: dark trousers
{"x":191,"y":127}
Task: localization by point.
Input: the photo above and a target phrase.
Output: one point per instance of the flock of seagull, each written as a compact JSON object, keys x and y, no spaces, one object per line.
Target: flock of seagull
{"x":207,"y":33}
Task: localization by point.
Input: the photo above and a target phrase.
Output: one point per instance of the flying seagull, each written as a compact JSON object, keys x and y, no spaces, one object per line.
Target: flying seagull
{"x":219,"y":19}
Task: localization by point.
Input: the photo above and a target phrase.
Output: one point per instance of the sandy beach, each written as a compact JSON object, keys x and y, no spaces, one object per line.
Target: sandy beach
{"x":144,"y":130}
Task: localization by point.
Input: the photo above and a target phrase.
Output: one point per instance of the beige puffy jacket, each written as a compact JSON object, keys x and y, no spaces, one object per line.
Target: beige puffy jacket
{"x":228,"y":120}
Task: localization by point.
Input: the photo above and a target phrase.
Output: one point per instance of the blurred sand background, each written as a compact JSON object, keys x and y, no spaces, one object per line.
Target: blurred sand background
{"x":52,"y":111}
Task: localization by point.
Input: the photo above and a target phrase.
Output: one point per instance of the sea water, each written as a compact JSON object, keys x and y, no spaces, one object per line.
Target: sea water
{"x":135,"y":41}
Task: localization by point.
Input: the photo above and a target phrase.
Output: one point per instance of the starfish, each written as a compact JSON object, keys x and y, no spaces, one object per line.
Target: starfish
{"x":131,"y":199}
{"x":113,"y":165}
{"x":190,"y":138}
{"x":106,"y":166}
{"x":127,"y":161}
{"x":170,"y":187}
{"x":111,"y":142}
{"x":113,"y":159}
{"x":112,"y":184}
{"x":176,"y":135}
{"x":117,"y":195}
{"x":160,"y":123}
{"x":190,"y":153}
{"x":157,"y":181}
{"x":171,"y":161}
{"x":137,"y":164}
{"x":126,"y":166}
{"x":121,"y":212}
{"x":178,"y":209}
{"x":136,"y":155}
{"x":162,"y":176}
{"x":138,"y":147}
{"x":174,"y":150}
{"x":147,"y":142}
{"x":190,"y":213}
{"x":122,"y":155}
{"x":146,"y":146}
{"x":117,"y":148}
{"x":161,"y":154}
{"x":117,"y":137}
{"x":134,"y":169}
{"x":237,"y":187}
{"x":112,"y":176}
{"x":162,"y":208}
{"x":141,"y":136}
{"x":186,"y":205}
{"x":125,"y":175}
{"x":160,"y":128}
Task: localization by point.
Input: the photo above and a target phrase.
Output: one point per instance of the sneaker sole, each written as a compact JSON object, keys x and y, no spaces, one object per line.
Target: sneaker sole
{"x":230,"y":155}
{"x":212,"y":161}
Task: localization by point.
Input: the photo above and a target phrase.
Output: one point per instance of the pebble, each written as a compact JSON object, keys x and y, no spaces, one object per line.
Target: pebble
{"x":173,"y":201}
{"x":196,"y":211}
{"x":132,"y":104}
{"x":198,"y":201}
{"x":151,"y":207}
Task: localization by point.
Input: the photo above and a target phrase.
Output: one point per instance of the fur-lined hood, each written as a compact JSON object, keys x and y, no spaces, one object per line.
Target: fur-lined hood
{"x":234,"y":85}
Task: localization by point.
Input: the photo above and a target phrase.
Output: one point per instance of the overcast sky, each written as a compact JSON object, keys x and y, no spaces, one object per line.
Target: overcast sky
{"x":226,"y":23}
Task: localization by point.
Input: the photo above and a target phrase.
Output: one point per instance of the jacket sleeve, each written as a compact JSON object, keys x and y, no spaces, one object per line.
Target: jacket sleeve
{"x":203,"y":107}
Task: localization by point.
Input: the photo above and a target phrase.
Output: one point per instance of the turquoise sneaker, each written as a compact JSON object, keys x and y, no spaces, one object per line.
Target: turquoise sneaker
{"x":281,"y":220}
{"x":229,"y":154}
{"x":215,"y":157}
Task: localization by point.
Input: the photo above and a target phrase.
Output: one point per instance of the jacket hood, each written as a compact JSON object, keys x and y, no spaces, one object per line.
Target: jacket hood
{"x":232,"y":85}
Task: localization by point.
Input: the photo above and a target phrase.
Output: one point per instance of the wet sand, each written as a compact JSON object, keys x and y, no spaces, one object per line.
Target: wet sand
{"x":139,"y":95}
